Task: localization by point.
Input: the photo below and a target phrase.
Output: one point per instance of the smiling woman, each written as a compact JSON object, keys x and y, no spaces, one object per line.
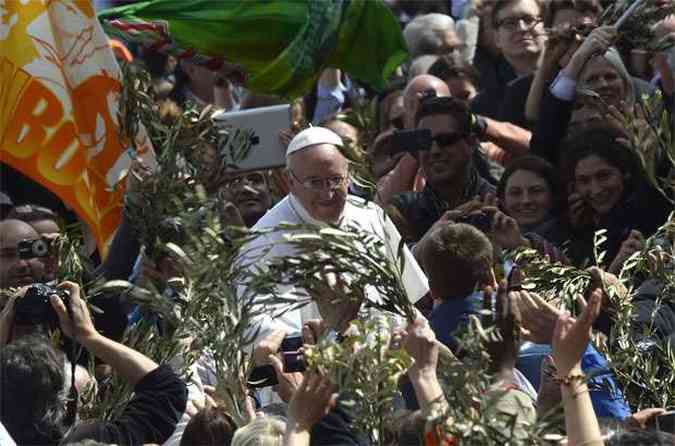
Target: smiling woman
{"x":607,"y":191}
{"x":607,"y":76}
{"x":528,"y":191}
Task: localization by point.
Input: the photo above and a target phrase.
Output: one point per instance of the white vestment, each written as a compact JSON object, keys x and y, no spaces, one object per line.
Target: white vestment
{"x":367,"y":216}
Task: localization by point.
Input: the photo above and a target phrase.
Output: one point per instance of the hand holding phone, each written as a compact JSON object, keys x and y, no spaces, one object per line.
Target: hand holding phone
{"x":292,"y":359}
{"x":664,"y":422}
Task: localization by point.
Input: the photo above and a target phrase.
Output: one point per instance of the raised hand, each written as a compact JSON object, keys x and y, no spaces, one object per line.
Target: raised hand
{"x":313,"y":399}
{"x":338,"y":303}
{"x":571,"y":336}
{"x":632,"y":244}
{"x":504,"y":349}
{"x":538,"y":316}
{"x":289,"y":383}
{"x":420,"y":343}
{"x":505,"y":231}
{"x":597,"y":42}
{"x":76,"y":323}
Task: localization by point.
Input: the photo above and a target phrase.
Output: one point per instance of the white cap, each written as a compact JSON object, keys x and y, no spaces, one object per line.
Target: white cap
{"x":311,"y":137}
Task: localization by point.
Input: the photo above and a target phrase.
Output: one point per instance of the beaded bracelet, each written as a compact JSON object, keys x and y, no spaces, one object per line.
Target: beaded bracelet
{"x":569,"y":379}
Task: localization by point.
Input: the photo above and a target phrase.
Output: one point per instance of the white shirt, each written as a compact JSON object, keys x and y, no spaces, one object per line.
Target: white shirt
{"x":5,"y":438}
{"x":367,"y":216}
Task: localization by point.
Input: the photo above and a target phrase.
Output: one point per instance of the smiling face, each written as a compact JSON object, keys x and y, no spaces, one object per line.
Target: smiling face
{"x":519,"y":29}
{"x":250,"y":193}
{"x":445,"y":163}
{"x":600,"y":184}
{"x":317,"y":164}
{"x":600,"y":76}
{"x":527,"y":197}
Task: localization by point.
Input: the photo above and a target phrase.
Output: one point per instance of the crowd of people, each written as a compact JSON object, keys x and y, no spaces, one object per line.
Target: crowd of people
{"x":512,"y":127}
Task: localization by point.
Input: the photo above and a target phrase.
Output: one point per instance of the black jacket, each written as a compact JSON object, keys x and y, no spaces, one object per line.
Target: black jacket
{"x":150,"y":417}
{"x":554,"y":118}
{"x":644,"y":210}
{"x":515,"y":101}
{"x":420,"y":210}
{"x":495,"y":74}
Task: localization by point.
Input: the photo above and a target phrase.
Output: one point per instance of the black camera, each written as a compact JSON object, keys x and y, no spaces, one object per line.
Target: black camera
{"x":293,"y":360}
{"x":415,"y":140}
{"x":34,"y":307}
{"x":479,"y":220}
{"x":30,"y":249}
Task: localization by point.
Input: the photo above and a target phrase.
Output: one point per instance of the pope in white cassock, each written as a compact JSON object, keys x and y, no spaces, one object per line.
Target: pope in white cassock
{"x":319,"y":178}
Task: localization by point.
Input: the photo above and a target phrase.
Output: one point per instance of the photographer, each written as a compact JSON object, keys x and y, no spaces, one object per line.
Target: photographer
{"x":35,"y":383}
{"x":46,"y":223}
{"x":451,"y":173}
{"x":17,"y":269}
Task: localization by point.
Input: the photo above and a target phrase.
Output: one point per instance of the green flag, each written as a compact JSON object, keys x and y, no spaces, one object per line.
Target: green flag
{"x":283,"y":44}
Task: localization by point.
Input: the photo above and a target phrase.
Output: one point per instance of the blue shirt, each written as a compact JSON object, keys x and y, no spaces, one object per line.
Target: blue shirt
{"x":445,"y":319}
{"x":606,"y":396}
{"x":452,"y":314}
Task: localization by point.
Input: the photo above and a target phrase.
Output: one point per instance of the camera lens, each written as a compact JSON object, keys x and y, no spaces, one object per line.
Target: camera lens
{"x":40,"y":248}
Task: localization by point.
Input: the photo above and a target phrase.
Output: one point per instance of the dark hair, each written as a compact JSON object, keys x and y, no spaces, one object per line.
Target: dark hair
{"x":539,"y":166}
{"x":583,"y":6}
{"x":605,"y":142}
{"x":446,"y":68}
{"x":33,"y":399}
{"x":456,"y":258}
{"x":31,"y":212}
{"x":641,"y":438}
{"x":383,"y":104}
{"x":210,"y":426}
{"x":454,"y":107}
{"x":155,"y":62}
{"x":501,"y":4}
{"x":180,"y":86}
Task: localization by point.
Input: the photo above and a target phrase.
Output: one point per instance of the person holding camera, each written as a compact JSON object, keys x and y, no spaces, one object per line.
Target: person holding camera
{"x":46,"y":223}
{"x":448,"y":164}
{"x":37,"y":403}
{"x":19,"y":265}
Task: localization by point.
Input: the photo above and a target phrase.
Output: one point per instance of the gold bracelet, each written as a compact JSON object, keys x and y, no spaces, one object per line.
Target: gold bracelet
{"x":569,"y":379}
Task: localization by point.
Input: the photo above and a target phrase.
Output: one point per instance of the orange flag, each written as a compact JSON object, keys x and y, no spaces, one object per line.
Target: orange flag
{"x":59,"y":89}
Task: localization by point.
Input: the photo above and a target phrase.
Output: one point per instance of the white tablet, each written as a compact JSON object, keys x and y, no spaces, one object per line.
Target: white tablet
{"x":261,"y":126}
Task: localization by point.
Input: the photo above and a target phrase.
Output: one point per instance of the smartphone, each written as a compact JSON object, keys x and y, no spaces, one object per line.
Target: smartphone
{"x":664,"y":422}
{"x":257,"y":129}
{"x":413,"y":141}
{"x":292,"y":358}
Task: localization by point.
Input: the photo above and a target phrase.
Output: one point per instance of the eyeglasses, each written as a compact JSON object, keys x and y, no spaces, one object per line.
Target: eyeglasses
{"x":319,"y":184}
{"x":254,"y":179}
{"x":511,"y":23}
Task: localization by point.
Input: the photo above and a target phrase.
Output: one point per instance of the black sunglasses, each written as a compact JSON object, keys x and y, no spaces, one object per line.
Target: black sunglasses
{"x":448,"y":139}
